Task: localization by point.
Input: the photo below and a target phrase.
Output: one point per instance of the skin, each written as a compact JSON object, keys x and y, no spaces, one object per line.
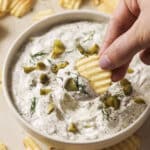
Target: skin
{"x":128,"y":34}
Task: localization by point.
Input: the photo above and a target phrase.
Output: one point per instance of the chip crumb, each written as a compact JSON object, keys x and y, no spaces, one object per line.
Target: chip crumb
{"x":42,"y":14}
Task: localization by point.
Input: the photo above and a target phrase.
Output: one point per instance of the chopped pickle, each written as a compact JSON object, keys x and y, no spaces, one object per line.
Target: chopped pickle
{"x":130,"y":70}
{"x":112,"y":101}
{"x":45,"y":91}
{"x":44,"y":79}
{"x":72,"y":128}
{"x":41,"y":66}
{"x":51,"y":107}
{"x":28,"y":69}
{"x":124,"y":82}
{"x":81,"y":49}
{"x":109,"y":101}
{"x":54,"y":68}
{"x":126,"y":86}
{"x":62,"y":65}
{"x":93,"y":50}
{"x":127,"y":89}
{"x":58,"y":49}
{"x":139,"y":100}
{"x":71,"y":85}
{"x":116,"y":104}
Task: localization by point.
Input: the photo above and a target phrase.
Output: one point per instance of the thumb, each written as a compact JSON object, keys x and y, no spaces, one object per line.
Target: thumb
{"x":124,"y":47}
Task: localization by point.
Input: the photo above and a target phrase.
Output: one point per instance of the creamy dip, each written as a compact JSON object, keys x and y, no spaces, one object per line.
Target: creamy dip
{"x":78,"y":115}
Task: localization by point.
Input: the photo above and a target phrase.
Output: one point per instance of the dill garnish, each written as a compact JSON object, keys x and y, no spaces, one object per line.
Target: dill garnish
{"x":39,"y":54}
{"x":33,"y":105}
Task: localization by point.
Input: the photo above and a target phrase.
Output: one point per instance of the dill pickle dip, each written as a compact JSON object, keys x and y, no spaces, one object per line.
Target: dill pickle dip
{"x":51,"y":95}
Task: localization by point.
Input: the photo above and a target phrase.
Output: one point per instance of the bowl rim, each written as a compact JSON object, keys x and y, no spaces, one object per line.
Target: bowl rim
{"x":9,"y":101}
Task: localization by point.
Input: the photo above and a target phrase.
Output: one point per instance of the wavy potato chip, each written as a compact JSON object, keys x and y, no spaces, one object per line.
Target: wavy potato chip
{"x":2,"y":146}
{"x":30,"y":144}
{"x":132,"y":143}
{"x":70,"y":4}
{"x":2,"y":14}
{"x":4,"y":5}
{"x":19,"y":8}
{"x":108,"y":6}
{"x":99,"y":79}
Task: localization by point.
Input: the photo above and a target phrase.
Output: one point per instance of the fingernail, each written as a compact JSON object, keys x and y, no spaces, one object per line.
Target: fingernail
{"x":105,"y":62}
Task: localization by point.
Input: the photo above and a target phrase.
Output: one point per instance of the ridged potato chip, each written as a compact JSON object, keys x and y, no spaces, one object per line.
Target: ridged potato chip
{"x":19,"y":8}
{"x":70,"y":4}
{"x":2,"y":146}
{"x":4,"y":5}
{"x":132,"y":143}
{"x":108,"y":6}
{"x":30,"y":144}
{"x":2,"y":14}
{"x":89,"y":68}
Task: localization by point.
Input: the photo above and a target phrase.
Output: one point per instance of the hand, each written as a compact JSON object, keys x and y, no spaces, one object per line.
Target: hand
{"x":128,"y":33}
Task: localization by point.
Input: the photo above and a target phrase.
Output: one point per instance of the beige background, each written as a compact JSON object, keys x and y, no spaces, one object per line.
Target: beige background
{"x":10,"y":27}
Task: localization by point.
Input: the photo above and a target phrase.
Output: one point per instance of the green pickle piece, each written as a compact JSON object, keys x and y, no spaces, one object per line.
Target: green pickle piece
{"x":127,"y":89}
{"x":71,"y":85}
{"x":41,"y":66}
{"x":130,"y":71}
{"x":44,"y":79}
{"x":62,"y":65}
{"x":139,"y":101}
{"x":124,"y":82}
{"x":81,"y":49}
{"x":54,"y":68}
{"x":58,"y":49}
{"x":51,"y":107}
{"x":72,"y":128}
{"x":28,"y":69}
{"x":45,"y":91}
{"x":93,"y":50}
{"x":112,"y":101}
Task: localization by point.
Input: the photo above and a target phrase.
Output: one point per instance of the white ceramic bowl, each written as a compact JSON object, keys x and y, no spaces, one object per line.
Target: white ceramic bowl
{"x":35,"y":30}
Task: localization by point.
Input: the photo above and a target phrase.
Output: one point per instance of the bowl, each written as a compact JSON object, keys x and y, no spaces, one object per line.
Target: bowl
{"x":37,"y":29}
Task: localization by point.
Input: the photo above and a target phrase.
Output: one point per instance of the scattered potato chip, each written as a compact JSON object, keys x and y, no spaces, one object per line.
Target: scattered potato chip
{"x":89,"y":68}
{"x":2,"y":146}
{"x":132,"y":143}
{"x":108,"y":6}
{"x":19,"y":8}
{"x":4,"y":5}
{"x":42,"y":14}
{"x":2,"y":14}
{"x":30,"y":144}
{"x":70,"y":4}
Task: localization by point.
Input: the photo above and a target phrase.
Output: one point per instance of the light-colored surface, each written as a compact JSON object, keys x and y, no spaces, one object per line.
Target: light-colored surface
{"x":10,"y":132}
